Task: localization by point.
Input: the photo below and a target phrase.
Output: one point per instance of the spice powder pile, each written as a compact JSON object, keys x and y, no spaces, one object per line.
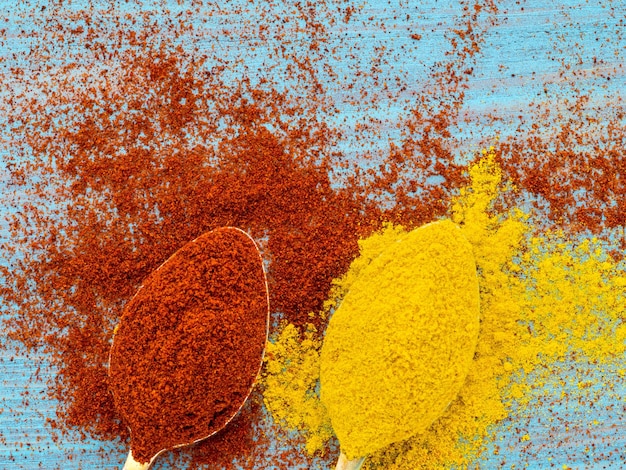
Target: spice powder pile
{"x":190,"y":343}
{"x":399,"y":347}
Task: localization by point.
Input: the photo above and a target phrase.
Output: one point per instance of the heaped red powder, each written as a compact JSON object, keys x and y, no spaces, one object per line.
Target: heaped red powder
{"x":190,"y":343}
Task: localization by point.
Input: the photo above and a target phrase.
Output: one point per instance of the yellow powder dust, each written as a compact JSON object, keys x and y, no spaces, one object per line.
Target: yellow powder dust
{"x":575,"y":305}
{"x":399,"y":346}
{"x":546,"y":302}
{"x":576,"y":296}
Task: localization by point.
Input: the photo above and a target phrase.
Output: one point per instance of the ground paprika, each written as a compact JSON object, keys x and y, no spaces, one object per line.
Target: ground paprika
{"x":190,"y":343}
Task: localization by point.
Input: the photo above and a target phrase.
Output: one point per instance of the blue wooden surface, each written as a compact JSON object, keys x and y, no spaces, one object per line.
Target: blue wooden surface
{"x":521,"y":54}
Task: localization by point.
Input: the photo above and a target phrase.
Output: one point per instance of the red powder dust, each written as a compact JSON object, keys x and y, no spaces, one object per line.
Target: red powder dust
{"x":190,"y":343}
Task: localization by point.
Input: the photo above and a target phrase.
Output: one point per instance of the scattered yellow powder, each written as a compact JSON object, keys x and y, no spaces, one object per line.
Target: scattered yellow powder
{"x":369,"y":249}
{"x":290,"y":380}
{"x":399,"y":346}
{"x":576,"y":296}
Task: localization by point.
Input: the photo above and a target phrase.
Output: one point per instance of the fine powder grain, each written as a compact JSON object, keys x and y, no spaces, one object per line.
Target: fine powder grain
{"x":190,"y":343}
{"x":398,"y":348}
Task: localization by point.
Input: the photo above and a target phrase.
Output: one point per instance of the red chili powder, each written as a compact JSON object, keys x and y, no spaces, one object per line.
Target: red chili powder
{"x":190,"y":343}
{"x":121,"y":213}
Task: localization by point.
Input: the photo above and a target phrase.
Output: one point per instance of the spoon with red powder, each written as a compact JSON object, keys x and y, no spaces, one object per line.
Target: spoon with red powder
{"x":190,"y":344}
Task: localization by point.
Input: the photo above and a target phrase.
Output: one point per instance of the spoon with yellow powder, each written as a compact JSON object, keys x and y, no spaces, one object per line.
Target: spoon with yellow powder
{"x":399,"y":347}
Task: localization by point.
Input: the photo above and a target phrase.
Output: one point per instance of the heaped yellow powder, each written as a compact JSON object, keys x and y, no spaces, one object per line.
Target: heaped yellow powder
{"x":291,"y":375}
{"x":399,"y":346}
{"x":543,"y":298}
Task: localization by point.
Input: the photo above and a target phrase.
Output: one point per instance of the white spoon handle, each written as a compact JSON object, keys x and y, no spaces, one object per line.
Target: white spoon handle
{"x":132,"y":464}
{"x":344,"y":464}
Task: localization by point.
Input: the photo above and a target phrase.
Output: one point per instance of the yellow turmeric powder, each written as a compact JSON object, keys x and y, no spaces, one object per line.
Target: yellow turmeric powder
{"x":543,"y":297}
{"x":290,"y":380}
{"x":576,"y":295}
{"x":399,"y":346}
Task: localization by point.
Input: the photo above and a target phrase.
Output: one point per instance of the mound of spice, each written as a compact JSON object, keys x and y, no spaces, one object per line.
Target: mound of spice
{"x":400,"y":345}
{"x":190,"y":343}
